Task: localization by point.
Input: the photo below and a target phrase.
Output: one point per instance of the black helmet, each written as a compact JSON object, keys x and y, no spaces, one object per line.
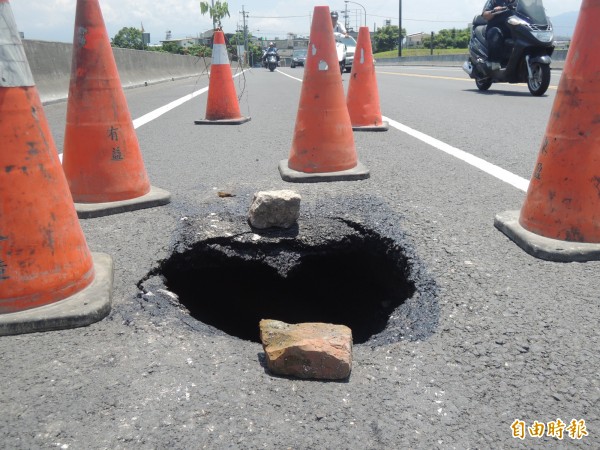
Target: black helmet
{"x":334,"y":14}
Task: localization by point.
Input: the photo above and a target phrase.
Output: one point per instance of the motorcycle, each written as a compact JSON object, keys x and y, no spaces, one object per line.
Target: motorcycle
{"x":271,"y":61}
{"x":526,"y":53}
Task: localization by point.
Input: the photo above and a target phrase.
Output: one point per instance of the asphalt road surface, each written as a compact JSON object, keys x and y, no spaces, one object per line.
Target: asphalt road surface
{"x":489,"y":336}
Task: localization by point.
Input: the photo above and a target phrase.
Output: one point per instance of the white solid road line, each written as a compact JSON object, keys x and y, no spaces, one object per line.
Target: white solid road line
{"x":481,"y":164}
{"x":165,"y":109}
{"x":287,"y":75}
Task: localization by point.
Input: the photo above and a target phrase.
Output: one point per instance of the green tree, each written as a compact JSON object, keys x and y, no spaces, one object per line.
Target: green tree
{"x":198,"y":50}
{"x":128,"y":37}
{"x":171,"y":47}
{"x":216,"y":12}
{"x":254,"y":50}
{"x":386,"y":38}
{"x":462,"y":38}
{"x":449,"y":38}
{"x":255,"y":53}
{"x":237,"y":39}
{"x":462,"y":41}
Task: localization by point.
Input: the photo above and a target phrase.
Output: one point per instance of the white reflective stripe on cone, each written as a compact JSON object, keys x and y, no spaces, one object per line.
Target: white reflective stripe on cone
{"x":14,"y":68}
{"x":219,"y":54}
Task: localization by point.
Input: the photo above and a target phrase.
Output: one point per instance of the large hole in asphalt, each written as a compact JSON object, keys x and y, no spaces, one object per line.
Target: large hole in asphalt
{"x":356,"y":280}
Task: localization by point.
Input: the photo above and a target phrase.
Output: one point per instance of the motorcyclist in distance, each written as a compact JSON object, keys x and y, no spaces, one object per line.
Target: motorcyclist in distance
{"x":270,"y":49}
{"x":339,"y":30}
{"x":497,"y":29}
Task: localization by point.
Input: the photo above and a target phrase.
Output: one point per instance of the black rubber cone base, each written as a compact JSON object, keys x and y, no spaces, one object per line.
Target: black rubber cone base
{"x":360,"y":172}
{"x":156,"y":197}
{"x":542,"y":247}
{"x":383,"y":127}
{"x":238,"y":121}
{"x":87,"y":306}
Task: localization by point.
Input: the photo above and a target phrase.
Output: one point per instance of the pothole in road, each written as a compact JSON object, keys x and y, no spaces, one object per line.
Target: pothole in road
{"x":352,"y":277}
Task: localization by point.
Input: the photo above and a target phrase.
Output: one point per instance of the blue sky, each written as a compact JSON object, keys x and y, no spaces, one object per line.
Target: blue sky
{"x":53,"y":20}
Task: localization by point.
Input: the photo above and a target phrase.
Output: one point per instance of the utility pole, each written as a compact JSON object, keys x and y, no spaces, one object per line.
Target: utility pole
{"x":212,"y":3}
{"x":399,"y":28}
{"x":346,"y":18}
{"x":431,"y":43}
{"x":245,"y":34}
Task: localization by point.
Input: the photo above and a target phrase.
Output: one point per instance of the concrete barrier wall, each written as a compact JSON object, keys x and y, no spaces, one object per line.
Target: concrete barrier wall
{"x":50,"y":64}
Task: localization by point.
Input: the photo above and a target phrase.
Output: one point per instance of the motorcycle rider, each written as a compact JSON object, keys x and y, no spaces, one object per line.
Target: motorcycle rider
{"x":497,"y":29}
{"x":270,"y":49}
{"x":339,"y":30}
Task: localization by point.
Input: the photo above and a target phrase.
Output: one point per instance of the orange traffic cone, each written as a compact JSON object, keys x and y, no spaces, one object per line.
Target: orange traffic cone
{"x":48,"y":277}
{"x":222,"y":107}
{"x":560,"y":219}
{"x":102,"y":158}
{"x":323,"y":144}
{"x":363,"y":96}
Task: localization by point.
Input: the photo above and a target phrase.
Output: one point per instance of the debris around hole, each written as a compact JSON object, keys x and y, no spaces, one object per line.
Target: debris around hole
{"x":307,"y":350}
{"x":274,"y":209}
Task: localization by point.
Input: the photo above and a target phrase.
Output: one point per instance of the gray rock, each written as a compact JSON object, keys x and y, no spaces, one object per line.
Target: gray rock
{"x":274,"y":209}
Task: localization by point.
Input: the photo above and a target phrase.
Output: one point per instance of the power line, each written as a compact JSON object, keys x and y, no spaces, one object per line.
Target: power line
{"x":368,"y":15}
{"x":278,"y":17}
{"x":418,"y":20}
{"x":440,"y":21}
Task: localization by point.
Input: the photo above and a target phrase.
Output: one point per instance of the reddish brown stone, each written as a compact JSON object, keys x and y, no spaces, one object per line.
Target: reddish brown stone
{"x":307,"y":350}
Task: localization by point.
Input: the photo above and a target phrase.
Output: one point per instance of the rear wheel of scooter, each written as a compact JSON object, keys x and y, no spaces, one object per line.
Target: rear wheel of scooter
{"x":540,"y":80}
{"x":342,"y":65}
{"x":483,"y":84}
